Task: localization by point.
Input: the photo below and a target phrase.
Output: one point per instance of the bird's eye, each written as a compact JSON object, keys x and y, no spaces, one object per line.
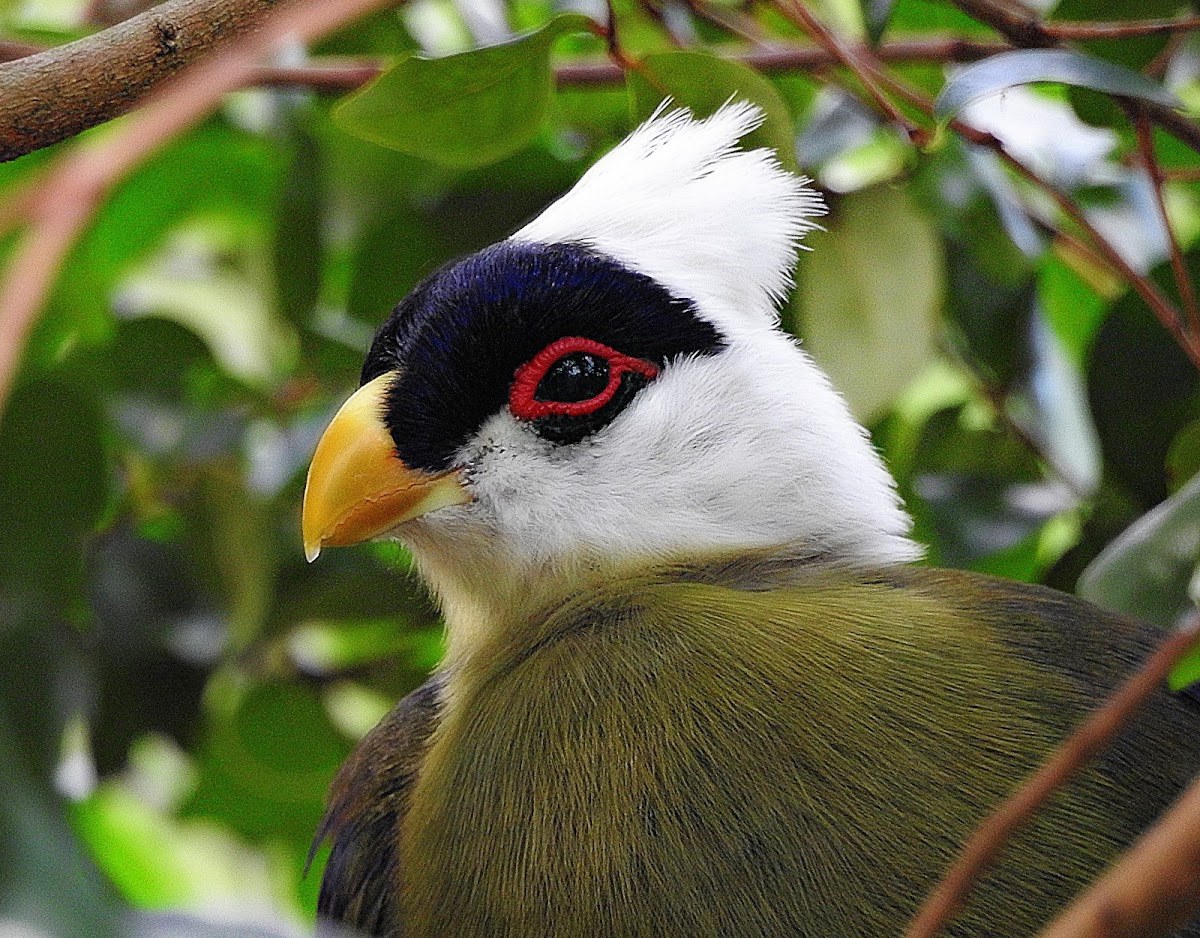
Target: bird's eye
{"x":580,"y":376}
{"x":574,"y":386}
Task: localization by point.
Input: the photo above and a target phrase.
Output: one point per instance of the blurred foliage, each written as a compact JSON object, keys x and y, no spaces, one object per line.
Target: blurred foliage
{"x":177,"y":686}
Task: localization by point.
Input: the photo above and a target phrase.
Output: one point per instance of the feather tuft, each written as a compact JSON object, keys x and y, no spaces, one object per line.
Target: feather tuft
{"x":679,"y":201}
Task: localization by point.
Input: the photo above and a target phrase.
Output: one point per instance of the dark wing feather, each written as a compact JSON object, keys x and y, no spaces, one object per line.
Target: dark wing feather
{"x":367,"y":802}
{"x":1154,"y":758}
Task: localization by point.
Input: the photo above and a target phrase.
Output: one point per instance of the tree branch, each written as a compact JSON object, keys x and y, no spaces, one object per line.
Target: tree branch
{"x":1125,"y":30}
{"x":1089,"y":740}
{"x":60,"y":204}
{"x":58,"y":93}
{"x":334,"y":74}
{"x":1183,"y":282}
{"x":345,"y":74}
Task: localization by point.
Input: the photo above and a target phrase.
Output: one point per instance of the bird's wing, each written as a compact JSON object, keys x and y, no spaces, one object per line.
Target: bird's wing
{"x":1095,"y":650}
{"x":367,"y":802}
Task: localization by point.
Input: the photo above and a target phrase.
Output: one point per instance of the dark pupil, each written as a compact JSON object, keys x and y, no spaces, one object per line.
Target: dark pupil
{"x":579,"y":376}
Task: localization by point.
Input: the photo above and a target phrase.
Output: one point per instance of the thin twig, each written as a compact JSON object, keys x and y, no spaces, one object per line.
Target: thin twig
{"x":1091,"y":738}
{"x":732,"y":21}
{"x":338,"y":73}
{"x":320,"y":74}
{"x":1068,"y":244}
{"x":1183,"y":282}
{"x":1162,"y":308}
{"x":1126,"y":30}
{"x":1182,"y":174}
{"x":612,"y":41}
{"x":346,"y":74}
{"x":1157,"y":67}
{"x":855,"y":61}
{"x":62,"y":204}
{"x":1152,"y":890}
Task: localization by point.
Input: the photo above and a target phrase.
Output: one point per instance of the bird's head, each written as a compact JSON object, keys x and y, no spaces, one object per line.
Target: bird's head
{"x":608,"y":389}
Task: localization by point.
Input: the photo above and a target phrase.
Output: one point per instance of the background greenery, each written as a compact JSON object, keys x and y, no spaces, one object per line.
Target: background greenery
{"x":177,"y":686}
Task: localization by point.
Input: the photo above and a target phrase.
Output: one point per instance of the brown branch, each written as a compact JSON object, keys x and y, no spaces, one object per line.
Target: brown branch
{"x":1126,"y":30}
{"x":1090,"y":739}
{"x":10,"y":49}
{"x":338,"y":74}
{"x":1162,"y":308}
{"x":62,"y":203}
{"x":345,"y":74}
{"x":1022,"y":27}
{"x":1183,"y":282}
{"x":612,"y":42}
{"x":1157,"y":67}
{"x":323,"y":74}
{"x":58,"y":93}
{"x":1080,"y":252}
{"x":1182,"y":174}
{"x":1150,"y":891}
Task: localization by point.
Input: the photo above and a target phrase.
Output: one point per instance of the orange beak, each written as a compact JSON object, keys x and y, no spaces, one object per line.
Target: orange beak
{"x":358,"y":488}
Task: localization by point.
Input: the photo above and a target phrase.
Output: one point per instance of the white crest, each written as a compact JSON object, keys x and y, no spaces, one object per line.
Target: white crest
{"x":677,"y":201}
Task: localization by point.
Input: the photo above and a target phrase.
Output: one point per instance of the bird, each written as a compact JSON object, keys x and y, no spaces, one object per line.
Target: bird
{"x":697,"y":681}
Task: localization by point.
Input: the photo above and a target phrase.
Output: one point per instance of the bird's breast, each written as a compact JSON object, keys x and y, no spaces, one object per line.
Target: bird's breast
{"x":689,"y":759}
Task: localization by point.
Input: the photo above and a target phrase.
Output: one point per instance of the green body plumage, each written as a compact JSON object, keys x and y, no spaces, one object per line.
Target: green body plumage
{"x":756,"y":749}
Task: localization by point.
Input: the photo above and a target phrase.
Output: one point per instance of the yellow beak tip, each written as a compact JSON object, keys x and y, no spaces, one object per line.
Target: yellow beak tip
{"x":358,"y":488}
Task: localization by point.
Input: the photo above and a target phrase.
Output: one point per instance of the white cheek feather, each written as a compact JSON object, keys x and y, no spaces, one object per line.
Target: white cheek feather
{"x":747,"y":448}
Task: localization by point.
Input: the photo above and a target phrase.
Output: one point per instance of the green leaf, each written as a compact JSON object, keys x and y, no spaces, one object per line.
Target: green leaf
{"x":1183,"y":458}
{"x":1147,"y":571}
{"x":46,"y":879}
{"x":212,"y":170}
{"x":916,"y":16}
{"x":1025,"y":66}
{"x":463,"y":110}
{"x":298,"y":248}
{"x":1142,"y":390}
{"x":209,"y":278}
{"x":876,"y":14}
{"x":235,"y":525}
{"x":971,"y":485}
{"x":702,"y":82}
{"x":259,"y":781}
{"x":1186,"y":673}
{"x":870,"y":296}
{"x":1073,"y":308}
{"x":53,"y":488}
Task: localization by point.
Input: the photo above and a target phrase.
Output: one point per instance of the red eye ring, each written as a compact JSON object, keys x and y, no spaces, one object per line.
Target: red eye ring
{"x":525,"y":406}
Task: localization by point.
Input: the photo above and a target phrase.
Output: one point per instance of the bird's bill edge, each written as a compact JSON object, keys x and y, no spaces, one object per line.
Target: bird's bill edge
{"x":357,"y":487}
